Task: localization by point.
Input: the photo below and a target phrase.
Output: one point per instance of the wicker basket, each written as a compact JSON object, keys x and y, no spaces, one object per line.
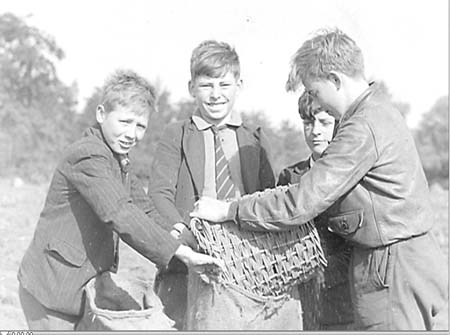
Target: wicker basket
{"x":267,"y":264}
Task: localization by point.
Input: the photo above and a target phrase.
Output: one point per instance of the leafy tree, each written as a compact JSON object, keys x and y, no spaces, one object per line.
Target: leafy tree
{"x":431,"y":138}
{"x":286,"y":141}
{"x":403,"y":107}
{"x":37,"y":109}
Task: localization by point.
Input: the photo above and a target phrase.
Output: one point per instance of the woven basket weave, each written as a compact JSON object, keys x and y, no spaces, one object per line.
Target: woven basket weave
{"x":266,"y":264}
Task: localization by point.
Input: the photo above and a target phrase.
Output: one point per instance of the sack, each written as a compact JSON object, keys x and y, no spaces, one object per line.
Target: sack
{"x":114,"y":303}
{"x":262,"y":263}
{"x":223,"y":307}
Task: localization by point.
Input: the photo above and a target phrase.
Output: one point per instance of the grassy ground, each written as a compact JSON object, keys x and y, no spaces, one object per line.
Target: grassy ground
{"x":20,"y":206}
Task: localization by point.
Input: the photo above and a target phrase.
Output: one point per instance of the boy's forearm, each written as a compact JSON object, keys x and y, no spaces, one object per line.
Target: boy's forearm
{"x":142,"y":234}
{"x":274,"y":210}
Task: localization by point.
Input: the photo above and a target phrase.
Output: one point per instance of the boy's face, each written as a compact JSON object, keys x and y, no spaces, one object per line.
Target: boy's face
{"x":319,"y":131}
{"x":215,"y":97}
{"x":326,"y":93}
{"x":122,"y":127}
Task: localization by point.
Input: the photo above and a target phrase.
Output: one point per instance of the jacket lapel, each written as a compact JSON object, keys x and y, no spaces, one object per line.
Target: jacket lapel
{"x":193,"y":147}
{"x":249,"y":151}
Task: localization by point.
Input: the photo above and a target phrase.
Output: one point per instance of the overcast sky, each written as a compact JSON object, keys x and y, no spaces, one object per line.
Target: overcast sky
{"x":405,"y":42}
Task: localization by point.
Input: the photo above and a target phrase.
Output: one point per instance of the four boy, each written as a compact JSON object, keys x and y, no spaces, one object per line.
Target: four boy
{"x":369,"y":180}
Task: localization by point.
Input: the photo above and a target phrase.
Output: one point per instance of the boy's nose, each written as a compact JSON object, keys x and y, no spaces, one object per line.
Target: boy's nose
{"x":131,"y":132}
{"x":316,"y":129}
{"x":215,"y":92}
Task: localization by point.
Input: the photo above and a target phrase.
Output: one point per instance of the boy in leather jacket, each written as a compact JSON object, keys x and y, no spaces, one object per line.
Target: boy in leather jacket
{"x":372,"y":175}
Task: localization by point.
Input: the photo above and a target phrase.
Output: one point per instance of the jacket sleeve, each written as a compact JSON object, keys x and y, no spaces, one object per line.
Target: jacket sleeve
{"x":164,"y":176}
{"x":344,"y":163}
{"x":90,"y":172}
{"x":266,"y":171}
{"x":143,"y":201}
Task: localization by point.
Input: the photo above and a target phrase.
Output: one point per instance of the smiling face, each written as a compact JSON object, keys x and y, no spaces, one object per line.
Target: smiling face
{"x":318,"y":131}
{"x":123,"y":127}
{"x":215,"y":97}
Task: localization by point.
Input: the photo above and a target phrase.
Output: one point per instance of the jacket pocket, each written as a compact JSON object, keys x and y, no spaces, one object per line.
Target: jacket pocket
{"x":66,"y":253}
{"x":346,"y":223}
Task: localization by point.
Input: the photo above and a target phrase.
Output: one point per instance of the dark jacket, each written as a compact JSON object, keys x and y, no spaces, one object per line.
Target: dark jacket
{"x":329,"y":302}
{"x":89,"y":203}
{"x":177,"y":178}
{"x":370,"y":173}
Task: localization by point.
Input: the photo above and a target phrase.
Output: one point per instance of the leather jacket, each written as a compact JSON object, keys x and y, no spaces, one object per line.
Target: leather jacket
{"x":370,"y":179}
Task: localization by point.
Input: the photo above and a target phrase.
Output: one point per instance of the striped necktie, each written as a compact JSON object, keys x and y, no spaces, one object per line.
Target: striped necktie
{"x":225,"y":187}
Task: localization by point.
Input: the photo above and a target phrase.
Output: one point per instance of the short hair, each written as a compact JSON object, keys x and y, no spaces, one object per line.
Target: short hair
{"x":214,"y":59}
{"x":126,"y":87}
{"x":306,"y":109}
{"x":329,"y":50}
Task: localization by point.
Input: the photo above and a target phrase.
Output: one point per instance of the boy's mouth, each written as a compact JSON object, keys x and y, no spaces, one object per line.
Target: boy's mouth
{"x":126,"y":144}
{"x":215,"y":103}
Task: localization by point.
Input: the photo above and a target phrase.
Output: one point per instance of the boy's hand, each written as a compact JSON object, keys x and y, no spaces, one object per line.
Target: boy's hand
{"x":209,"y":268}
{"x":212,"y":210}
{"x":184,"y":235}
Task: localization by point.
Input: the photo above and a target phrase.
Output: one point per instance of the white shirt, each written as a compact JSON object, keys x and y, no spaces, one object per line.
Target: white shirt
{"x":230,"y":148}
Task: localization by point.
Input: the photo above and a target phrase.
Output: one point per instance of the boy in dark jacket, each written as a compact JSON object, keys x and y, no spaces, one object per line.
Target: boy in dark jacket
{"x":93,"y":200}
{"x":326,"y":305}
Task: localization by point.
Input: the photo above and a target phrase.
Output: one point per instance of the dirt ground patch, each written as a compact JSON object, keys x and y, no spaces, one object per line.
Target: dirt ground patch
{"x":20,"y":205}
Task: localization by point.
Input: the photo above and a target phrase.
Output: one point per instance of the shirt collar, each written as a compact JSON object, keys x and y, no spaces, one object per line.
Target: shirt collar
{"x":235,"y":120}
{"x":310,"y":161}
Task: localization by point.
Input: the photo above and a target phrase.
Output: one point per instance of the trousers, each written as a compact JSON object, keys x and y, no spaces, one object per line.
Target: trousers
{"x":39,"y":317}
{"x":171,"y":288}
{"x":402,"y":286}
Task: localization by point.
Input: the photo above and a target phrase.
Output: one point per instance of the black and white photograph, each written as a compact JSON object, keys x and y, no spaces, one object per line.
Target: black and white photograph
{"x":224,"y":166}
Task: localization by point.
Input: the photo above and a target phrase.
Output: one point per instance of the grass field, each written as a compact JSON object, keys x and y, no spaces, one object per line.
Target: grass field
{"x":20,"y":206}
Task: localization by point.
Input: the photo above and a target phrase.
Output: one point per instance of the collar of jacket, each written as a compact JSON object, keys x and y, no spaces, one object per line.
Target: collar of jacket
{"x":123,"y":160}
{"x":372,"y":89}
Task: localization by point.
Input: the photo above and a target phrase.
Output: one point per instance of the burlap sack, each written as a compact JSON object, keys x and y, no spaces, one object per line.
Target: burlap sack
{"x":227,"y":307}
{"x":115,"y":302}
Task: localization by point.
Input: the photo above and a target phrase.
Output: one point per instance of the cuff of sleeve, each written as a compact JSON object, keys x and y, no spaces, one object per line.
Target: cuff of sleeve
{"x":180,"y":227}
{"x":233,"y":212}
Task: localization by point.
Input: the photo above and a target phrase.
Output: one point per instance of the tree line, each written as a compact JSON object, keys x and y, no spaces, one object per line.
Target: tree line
{"x":38,"y":116}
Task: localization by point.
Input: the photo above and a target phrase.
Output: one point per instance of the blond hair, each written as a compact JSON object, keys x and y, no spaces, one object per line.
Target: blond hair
{"x":126,"y":87}
{"x":214,"y":59}
{"x":329,"y":50}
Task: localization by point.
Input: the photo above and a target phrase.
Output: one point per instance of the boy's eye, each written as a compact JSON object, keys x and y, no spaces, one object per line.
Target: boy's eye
{"x":141,"y":126}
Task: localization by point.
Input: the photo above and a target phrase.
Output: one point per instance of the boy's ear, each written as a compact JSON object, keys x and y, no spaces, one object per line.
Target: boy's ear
{"x":100,"y":114}
{"x":240,"y":83}
{"x":191,"y":88}
{"x":335,"y":78}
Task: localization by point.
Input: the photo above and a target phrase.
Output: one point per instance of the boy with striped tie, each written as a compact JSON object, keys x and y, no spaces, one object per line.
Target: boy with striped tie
{"x":213,"y":153}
